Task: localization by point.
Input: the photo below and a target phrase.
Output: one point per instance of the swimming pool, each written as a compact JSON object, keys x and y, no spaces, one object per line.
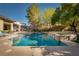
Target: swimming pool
{"x":36,"y":39}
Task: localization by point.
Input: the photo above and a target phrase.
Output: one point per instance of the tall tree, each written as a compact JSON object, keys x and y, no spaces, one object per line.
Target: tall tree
{"x":33,"y":14}
{"x":56,"y":16}
{"x":69,"y":13}
{"x":47,"y":17}
{"x":48,"y":14}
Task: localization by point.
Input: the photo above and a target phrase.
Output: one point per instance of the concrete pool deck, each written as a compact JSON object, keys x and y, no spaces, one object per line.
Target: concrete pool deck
{"x":7,"y":50}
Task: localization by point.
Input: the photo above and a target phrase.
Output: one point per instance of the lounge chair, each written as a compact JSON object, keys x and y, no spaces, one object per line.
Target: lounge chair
{"x":2,"y":34}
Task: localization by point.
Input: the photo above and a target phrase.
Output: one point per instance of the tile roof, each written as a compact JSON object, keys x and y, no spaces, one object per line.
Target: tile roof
{"x":6,"y":19}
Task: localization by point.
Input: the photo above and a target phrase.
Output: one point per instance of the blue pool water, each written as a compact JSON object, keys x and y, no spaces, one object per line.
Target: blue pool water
{"x":36,"y":39}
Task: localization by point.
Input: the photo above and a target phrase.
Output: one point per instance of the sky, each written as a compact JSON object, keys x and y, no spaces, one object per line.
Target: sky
{"x":17,"y":11}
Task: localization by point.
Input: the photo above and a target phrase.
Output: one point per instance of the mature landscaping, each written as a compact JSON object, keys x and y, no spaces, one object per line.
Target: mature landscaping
{"x":63,"y":18}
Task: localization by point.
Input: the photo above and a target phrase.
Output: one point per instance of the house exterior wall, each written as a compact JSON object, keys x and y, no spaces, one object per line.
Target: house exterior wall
{"x":19,"y":28}
{"x":11,"y":26}
{"x":1,"y":25}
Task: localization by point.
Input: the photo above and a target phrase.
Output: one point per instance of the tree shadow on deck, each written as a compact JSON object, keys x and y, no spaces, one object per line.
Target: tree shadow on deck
{"x":60,"y":51}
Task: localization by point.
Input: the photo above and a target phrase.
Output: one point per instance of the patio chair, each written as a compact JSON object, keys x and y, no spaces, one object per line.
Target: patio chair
{"x":2,"y":34}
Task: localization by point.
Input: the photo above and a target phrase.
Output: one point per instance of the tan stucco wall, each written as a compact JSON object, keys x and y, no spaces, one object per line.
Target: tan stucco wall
{"x":1,"y":25}
{"x":19,"y":28}
{"x":11,"y":26}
